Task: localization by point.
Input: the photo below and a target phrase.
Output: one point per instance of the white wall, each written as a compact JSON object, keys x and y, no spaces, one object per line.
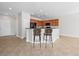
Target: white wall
{"x":23,"y":21}
{"x":7,"y":26}
{"x":13,"y":25}
{"x":69,"y":25}
{"x":19,"y":25}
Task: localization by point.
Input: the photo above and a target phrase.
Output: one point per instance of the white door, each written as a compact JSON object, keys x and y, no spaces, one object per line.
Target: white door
{"x":5,"y":28}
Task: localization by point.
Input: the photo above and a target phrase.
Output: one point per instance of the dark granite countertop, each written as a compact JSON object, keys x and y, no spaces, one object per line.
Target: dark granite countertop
{"x":44,"y":28}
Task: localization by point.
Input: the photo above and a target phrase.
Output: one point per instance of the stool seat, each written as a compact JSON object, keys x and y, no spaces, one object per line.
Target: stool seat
{"x":47,"y":34}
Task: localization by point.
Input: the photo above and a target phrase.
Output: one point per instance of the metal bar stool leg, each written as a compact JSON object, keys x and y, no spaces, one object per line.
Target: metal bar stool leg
{"x":43,"y":38}
{"x":40,"y":40}
{"x":46,"y":41}
{"x":34,"y":41}
{"x":51,"y":40}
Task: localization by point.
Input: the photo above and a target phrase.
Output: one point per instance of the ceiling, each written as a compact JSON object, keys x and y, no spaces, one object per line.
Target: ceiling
{"x":40,"y":9}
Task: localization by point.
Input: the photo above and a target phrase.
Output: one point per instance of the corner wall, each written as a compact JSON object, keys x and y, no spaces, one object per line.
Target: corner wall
{"x":69,"y":25}
{"x":23,"y":22}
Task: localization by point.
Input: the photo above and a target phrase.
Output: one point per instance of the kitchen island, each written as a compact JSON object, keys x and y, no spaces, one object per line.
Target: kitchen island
{"x":30,"y":35}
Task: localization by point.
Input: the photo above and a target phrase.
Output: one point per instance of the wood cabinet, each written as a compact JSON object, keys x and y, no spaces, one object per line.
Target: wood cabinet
{"x":53,"y":22}
{"x":38,"y":23}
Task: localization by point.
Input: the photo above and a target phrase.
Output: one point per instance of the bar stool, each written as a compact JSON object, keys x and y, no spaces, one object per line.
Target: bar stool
{"x":48,"y":32}
{"x":37,"y":32}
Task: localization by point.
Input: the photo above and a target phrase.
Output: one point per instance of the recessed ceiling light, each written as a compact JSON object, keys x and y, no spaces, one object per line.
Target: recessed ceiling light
{"x":10,"y":8}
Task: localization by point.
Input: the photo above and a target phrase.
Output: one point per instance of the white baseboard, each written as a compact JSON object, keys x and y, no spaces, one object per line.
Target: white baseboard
{"x":70,"y":35}
{"x":8,"y":35}
{"x":20,"y":37}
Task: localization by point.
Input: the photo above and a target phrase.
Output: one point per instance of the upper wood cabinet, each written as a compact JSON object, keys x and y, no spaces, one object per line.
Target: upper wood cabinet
{"x":53,"y":22}
{"x":38,"y":23}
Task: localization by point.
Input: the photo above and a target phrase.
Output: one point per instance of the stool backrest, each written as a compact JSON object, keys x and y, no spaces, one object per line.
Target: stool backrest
{"x":48,"y":30}
{"x":37,"y":31}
